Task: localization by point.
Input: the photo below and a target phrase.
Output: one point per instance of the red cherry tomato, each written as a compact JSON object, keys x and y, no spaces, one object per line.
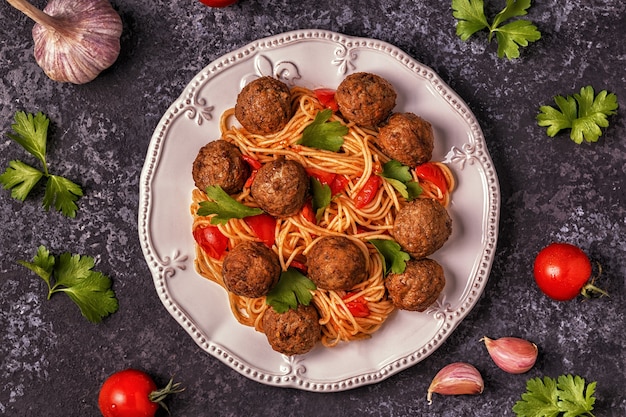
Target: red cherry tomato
{"x":326,"y":96}
{"x":211,"y":240}
{"x":432,"y":173}
{"x":562,"y":271}
{"x":263,"y":226}
{"x":218,"y":3}
{"x":357,"y":307}
{"x":127,"y":394}
{"x":367,"y":193}
{"x":308,"y":213}
{"x":336,"y":182}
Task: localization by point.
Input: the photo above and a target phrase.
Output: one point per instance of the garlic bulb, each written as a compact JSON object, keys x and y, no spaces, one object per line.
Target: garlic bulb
{"x":512,"y":354}
{"x":457,"y":378}
{"x":74,"y":40}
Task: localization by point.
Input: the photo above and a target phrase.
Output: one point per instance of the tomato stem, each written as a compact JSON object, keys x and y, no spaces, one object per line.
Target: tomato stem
{"x":591,"y":289}
{"x":158,"y":396}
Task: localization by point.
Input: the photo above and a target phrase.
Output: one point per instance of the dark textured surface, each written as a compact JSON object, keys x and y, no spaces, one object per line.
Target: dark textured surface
{"x":52,"y":361}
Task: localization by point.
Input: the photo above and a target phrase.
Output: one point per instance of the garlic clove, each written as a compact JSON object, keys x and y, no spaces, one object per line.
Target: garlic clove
{"x":75,"y":40}
{"x":457,"y":378}
{"x":512,"y":354}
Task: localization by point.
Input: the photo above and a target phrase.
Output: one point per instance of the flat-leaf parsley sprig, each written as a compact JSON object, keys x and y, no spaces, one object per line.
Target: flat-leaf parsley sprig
{"x":31,"y":132}
{"x":73,"y":275}
{"x":567,"y":396}
{"x":584,"y":113}
{"x":510,"y":36}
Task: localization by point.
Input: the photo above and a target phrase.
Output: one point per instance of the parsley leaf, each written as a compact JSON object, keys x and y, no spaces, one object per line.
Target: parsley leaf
{"x":394,"y":259}
{"x":322,"y":134}
{"x":224,"y":206}
{"x":292,"y":289}
{"x":471,"y":19}
{"x":31,"y":133}
{"x":321,"y":197}
{"x":398,"y":175}
{"x":73,"y":275}
{"x":549,"y":397}
{"x":583,"y":113}
{"x":573,"y":400}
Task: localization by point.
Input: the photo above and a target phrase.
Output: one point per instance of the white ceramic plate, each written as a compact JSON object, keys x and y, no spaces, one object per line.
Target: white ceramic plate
{"x":315,"y":58}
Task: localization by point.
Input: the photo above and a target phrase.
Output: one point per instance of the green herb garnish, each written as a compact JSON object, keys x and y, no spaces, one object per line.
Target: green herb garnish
{"x":583,"y":113}
{"x":400,"y":178}
{"x":73,"y":275}
{"x":31,"y":132}
{"x":224,"y":207}
{"x":321,"y":197}
{"x":322,"y":134}
{"x":567,"y":397}
{"x":510,"y":36}
{"x":394,"y":259}
{"x":292,"y":289}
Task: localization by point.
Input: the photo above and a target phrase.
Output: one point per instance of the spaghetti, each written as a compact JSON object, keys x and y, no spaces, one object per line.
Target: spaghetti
{"x":358,"y":160}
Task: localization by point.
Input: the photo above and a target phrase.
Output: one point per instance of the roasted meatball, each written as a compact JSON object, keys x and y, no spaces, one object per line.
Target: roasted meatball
{"x":418,"y":286}
{"x":280,"y":187}
{"x":336,"y":263}
{"x":365,"y":99}
{"x":422,"y":226}
{"x":407,"y":138}
{"x":264,"y":106}
{"x":250,"y":269}
{"x":220,"y":163}
{"x":293,"y":332}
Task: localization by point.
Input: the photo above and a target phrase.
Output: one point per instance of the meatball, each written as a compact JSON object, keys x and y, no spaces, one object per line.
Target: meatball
{"x":280,"y":187}
{"x":250,"y":269}
{"x":422,"y":227}
{"x":264,"y":106}
{"x":293,"y":332}
{"x":418,"y":287}
{"x":365,"y":99}
{"x":220,"y":163}
{"x":407,"y":138}
{"x":336,"y":263}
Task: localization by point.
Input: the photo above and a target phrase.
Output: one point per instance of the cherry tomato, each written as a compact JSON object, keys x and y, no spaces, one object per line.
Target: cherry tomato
{"x":255,"y":165}
{"x":127,"y":394}
{"x":367,"y":193}
{"x":326,"y":96}
{"x":211,"y":240}
{"x":357,"y":307}
{"x":218,"y":3}
{"x":308,"y":213}
{"x":336,"y":182}
{"x":430,"y":172}
{"x":562,"y":271}
{"x":264,"y":227}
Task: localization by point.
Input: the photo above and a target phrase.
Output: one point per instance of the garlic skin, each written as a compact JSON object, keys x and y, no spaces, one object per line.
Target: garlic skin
{"x":75,"y":40}
{"x":457,"y":378}
{"x":512,"y":354}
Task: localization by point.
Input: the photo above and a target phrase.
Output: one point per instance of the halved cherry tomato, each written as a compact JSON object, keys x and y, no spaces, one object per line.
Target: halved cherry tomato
{"x":307,"y":212}
{"x":430,"y":172}
{"x":357,"y":307}
{"x":264,"y":227}
{"x":326,"y":96}
{"x":211,"y":240}
{"x":218,"y":3}
{"x":339,"y":184}
{"x":299,"y":265}
{"x":255,"y":165}
{"x":336,"y":182}
{"x":367,"y":193}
